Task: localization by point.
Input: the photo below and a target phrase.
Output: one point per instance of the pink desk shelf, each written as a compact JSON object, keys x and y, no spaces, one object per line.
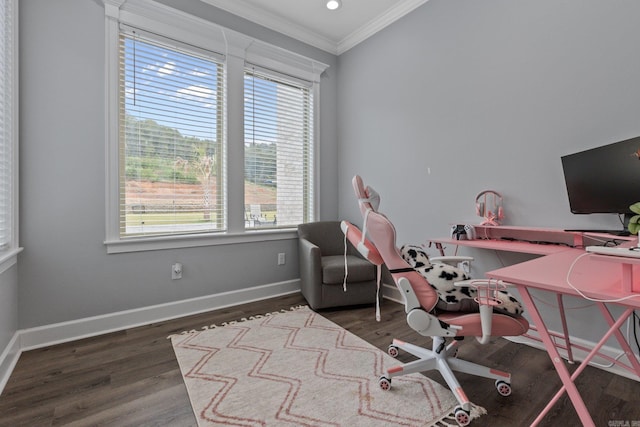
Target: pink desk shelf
{"x":627,"y":270}
{"x":501,"y":245}
{"x":529,"y":240}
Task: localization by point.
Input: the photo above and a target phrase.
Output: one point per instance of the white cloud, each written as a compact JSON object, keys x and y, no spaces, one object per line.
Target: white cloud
{"x":199,"y":94}
{"x":193,"y":92}
{"x":167,"y":68}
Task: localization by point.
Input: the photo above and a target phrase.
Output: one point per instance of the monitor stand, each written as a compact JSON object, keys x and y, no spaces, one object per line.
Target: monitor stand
{"x":612,"y":232}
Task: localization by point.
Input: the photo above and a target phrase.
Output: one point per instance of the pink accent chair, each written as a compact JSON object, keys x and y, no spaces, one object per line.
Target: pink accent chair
{"x":420,"y":301}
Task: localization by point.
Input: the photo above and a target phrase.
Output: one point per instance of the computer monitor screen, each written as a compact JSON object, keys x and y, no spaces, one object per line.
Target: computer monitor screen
{"x":604,"y":179}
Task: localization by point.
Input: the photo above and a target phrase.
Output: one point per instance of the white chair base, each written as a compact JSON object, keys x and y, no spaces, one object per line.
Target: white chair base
{"x":443,"y":358}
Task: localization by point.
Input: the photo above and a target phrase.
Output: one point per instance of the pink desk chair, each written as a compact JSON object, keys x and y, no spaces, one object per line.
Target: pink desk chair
{"x":420,"y":301}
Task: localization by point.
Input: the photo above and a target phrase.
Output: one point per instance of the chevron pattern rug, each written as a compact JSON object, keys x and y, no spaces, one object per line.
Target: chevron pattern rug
{"x":296,"y":368}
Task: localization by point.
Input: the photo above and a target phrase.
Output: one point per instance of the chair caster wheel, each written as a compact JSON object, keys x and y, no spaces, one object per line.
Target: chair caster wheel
{"x":504,"y":388}
{"x":385,"y":383}
{"x":463,"y":417}
{"x":393,"y":351}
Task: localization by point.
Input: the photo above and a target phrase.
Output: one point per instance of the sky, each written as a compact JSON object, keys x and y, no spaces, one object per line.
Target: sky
{"x":180,"y":90}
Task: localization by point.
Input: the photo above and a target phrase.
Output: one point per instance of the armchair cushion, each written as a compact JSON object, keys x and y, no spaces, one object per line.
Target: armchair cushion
{"x":359,"y":270}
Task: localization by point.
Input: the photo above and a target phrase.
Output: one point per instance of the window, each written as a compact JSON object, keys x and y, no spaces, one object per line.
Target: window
{"x":210,"y":134}
{"x":278,"y":150}
{"x":8,"y":133}
{"x":171,"y":145}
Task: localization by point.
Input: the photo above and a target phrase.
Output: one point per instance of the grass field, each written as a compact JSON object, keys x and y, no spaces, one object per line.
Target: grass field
{"x":161,"y":218}
{"x":149,"y":202}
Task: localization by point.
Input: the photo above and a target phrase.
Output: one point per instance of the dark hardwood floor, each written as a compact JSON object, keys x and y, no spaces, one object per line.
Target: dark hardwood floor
{"x":131,"y":378}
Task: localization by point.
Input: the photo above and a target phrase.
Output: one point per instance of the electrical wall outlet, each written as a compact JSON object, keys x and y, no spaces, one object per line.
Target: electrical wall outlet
{"x":281,"y":258}
{"x":176,"y":271}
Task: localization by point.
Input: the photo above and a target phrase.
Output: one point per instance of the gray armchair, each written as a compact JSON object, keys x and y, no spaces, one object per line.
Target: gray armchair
{"x":321,"y":255}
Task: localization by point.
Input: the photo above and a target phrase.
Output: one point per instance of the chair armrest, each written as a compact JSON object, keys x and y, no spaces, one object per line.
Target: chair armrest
{"x":410,"y":299}
{"x":311,"y":254}
{"x":486,"y":289}
{"x":418,"y":319}
{"x":429,"y":325}
{"x":310,"y":258}
{"x":468,"y":282}
{"x":486,"y":319}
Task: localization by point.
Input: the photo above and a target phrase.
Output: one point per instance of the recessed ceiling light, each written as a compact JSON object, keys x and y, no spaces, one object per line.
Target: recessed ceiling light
{"x":334,"y":4}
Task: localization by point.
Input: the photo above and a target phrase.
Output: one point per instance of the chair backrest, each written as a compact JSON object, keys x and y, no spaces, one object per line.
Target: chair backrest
{"x":326,"y":235}
{"x":383,"y":235}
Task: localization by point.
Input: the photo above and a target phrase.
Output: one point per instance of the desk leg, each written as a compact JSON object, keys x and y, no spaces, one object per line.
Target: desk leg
{"x":558,"y":363}
{"x":565,"y":329}
{"x":615,"y":325}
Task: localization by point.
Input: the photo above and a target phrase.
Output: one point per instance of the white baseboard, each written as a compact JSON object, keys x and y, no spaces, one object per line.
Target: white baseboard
{"x":579,"y":355}
{"x":391,"y":292}
{"x":57,"y":333}
{"x":8,"y":359}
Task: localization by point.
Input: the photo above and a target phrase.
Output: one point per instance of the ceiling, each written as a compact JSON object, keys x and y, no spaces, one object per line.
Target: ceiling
{"x":311,"y":22}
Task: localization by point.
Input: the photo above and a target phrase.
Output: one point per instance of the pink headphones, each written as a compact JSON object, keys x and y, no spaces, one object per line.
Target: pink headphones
{"x":489,"y":206}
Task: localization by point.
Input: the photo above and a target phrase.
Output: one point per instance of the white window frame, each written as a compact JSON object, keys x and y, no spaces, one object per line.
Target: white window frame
{"x":238,"y":50}
{"x":289,"y":208}
{"x":8,"y":255}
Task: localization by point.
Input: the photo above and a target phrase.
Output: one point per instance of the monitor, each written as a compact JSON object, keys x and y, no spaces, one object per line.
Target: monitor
{"x":604,"y":179}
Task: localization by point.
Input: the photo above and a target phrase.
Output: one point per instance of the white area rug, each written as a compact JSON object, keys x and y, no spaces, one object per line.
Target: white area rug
{"x":296,"y":368}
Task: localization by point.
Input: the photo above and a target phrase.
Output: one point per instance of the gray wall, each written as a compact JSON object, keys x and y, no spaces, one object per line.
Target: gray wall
{"x":486,"y":95}
{"x":64,"y":271}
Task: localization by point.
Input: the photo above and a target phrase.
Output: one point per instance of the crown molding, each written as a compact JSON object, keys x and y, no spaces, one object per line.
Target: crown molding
{"x":300,"y":33}
{"x":275,"y":22}
{"x":377,"y":24}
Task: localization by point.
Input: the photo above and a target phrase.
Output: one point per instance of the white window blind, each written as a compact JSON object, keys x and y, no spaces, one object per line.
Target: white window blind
{"x":7,"y":121}
{"x":171,"y":138}
{"x":278,"y":126}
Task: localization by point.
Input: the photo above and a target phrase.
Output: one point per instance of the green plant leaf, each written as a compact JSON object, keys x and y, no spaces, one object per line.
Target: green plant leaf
{"x":635,"y":208}
{"x":634,"y":226}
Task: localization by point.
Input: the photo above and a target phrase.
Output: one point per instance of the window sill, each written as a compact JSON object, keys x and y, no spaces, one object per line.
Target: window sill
{"x":190,"y":241}
{"x":8,"y":259}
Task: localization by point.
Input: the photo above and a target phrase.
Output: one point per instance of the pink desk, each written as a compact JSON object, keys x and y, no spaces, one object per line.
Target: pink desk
{"x":594,"y":277}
